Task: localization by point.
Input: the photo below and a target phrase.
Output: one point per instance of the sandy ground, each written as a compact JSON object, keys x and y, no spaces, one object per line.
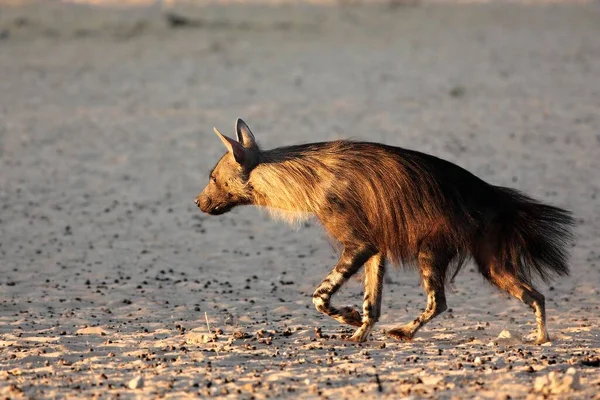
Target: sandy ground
{"x":108,"y":270}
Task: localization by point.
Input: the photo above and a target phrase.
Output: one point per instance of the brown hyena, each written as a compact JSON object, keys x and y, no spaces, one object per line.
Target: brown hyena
{"x":384,"y":203}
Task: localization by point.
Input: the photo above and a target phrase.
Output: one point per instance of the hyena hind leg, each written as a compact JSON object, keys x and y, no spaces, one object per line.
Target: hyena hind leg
{"x":528,"y":295}
{"x":433,"y":265}
{"x":352,"y":258}
{"x":374,"y":273}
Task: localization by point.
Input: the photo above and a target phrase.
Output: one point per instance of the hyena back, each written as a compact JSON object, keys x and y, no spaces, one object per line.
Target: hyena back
{"x":384,"y":203}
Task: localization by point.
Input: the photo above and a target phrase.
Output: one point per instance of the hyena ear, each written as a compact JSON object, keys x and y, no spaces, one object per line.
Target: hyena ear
{"x":244,"y":134}
{"x":234,"y":147}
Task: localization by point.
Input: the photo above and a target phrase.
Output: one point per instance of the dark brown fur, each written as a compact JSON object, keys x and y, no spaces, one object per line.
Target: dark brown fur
{"x":387,"y":203}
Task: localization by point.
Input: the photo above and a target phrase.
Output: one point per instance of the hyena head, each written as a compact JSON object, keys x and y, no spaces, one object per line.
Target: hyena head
{"x":228,"y":182}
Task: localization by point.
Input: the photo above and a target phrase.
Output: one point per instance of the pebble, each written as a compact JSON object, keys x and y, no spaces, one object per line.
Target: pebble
{"x":591,"y":362}
{"x":240,"y":334}
{"x":136,"y":383}
{"x":505,"y":334}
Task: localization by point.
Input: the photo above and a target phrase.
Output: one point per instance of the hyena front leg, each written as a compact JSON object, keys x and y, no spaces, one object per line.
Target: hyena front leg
{"x":433,"y":263}
{"x":352,"y":258}
{"x":374,"y":272}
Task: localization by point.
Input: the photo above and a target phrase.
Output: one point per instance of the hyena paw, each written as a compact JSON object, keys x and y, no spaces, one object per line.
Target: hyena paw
{"x":538,"y":338}
{"x":349,"y":315}
{"x":402,"y":333}
{"x":361,"y":333}
{"x":542,"y":339}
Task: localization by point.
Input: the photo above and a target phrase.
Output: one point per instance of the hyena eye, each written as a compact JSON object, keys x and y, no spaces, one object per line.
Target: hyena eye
{"x":212,"y":178}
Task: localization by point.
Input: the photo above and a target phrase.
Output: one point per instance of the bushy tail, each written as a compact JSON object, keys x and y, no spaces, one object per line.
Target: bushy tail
{"x":533,"y":237}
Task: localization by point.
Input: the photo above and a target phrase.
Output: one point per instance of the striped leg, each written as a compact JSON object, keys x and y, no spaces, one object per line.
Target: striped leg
{"x":527,"y":294}
{"x":374,"y":272}
{"x":349,"y":263}
{"x":504,"y":278}
{"x":433,"y":262}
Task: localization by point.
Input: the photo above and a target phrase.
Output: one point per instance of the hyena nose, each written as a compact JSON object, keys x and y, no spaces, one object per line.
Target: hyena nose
{"x":202,"y":203}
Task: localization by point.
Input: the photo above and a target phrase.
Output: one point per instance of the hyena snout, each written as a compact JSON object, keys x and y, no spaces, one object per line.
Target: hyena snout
{"x":212,"y":207}
{"x":204,"y":203}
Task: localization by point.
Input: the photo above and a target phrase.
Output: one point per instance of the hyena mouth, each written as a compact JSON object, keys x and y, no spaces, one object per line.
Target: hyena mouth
{"x":207,"y":207}
{"x":218,"y":210}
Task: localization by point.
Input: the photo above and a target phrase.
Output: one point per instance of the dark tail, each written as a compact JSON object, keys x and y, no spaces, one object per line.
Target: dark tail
{"x":533,"y":238}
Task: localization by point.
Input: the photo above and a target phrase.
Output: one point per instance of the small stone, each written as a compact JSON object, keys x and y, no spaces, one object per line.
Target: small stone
{"x":240,"y":334}
{"x":266,"y":340}
{"x":136,"y":383}
{"x":505,"y":334}
{"x":286,"y":332}
{"x":261,"y":333}
{"x":478,"y":361}
{"x":591,"y":362}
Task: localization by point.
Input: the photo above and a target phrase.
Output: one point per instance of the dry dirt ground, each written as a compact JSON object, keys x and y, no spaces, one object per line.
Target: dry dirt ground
{"x":109,"y":272}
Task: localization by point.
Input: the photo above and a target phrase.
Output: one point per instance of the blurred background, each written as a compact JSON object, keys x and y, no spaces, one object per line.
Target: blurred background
{"x":106,"y":116}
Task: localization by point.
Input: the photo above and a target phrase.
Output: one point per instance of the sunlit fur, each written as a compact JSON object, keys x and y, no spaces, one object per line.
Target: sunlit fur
{"x":393,"y":198}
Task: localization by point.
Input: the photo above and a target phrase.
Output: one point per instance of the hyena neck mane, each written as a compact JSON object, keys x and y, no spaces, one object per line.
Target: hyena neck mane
{"x":290,"y":182}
